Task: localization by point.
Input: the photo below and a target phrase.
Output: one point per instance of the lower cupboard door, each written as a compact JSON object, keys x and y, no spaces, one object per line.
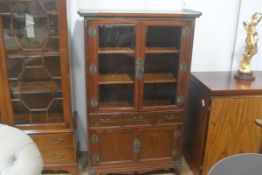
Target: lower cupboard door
{"x":112,"y":146}
{"x":160,"y":144}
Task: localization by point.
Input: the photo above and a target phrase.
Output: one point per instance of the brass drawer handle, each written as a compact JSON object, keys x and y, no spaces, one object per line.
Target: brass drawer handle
{"x":139,"y":118}
{"x":105,"y":120}
{"x":58,"y":155}
{"x":57,"y":141}
{"x":169,"y":117}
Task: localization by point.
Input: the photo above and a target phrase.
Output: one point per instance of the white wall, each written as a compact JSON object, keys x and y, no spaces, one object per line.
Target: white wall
{"x":214,"y":34}
{"x":214,"y":42}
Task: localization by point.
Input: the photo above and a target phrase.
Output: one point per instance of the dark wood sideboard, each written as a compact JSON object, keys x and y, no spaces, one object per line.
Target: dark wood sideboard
{"x":221,"y":118}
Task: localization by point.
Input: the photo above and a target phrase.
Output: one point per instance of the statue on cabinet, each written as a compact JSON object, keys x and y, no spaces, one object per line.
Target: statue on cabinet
{"x":245,"y":71}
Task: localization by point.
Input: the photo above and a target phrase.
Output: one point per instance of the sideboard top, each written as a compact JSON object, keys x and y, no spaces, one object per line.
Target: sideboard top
{"x":139,"y":13}
{"x":224,"y":83}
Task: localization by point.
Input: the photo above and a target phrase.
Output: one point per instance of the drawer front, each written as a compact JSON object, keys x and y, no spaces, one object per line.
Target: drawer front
{"x":58,"y":155}
{"x":61,"y":140}
{"x":106,"y":121}
{"x":169,"y":118}
{"x":138,"y":119}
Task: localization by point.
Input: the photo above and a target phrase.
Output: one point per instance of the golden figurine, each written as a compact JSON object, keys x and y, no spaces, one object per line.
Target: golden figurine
{"x":245,"y":71}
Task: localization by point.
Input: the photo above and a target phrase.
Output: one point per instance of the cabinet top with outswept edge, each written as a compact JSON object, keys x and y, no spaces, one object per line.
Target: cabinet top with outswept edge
{"x":185,"y":13}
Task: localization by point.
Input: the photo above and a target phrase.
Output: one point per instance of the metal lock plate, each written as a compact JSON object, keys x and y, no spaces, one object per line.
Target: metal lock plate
{"x":136,"y":146}
{"x":140,"y":69}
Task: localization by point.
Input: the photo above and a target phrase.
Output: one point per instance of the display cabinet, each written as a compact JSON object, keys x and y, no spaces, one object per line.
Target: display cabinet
{"x":35,"y":77}
{"x":137,"y":66}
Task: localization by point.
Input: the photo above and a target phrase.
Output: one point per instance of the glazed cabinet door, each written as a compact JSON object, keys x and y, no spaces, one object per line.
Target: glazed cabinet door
{"x":161,"y":144}
{"x":111,"y":63}
{"x":110,"y":146}
{"x":35,"y":66}
{"x":166,"y":63}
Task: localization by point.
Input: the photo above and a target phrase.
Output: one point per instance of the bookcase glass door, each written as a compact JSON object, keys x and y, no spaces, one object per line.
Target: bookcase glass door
{"x":162,"y":54}
{"x":31,"y":41}
{"x":116,"y":62}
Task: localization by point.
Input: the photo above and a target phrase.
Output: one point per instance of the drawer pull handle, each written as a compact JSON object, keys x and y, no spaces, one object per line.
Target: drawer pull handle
{"x":58,"y":156}
{"x":139,"y":118}
{"x":57,"y":141}
{"x":169,"y":117}
{"x":105,"y":120}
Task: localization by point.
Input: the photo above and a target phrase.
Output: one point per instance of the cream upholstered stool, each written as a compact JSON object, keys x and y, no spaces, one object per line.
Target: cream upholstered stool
{"x":18,"y":153}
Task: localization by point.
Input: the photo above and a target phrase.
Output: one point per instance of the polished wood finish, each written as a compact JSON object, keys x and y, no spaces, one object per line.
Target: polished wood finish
{"x":33,"y":104}
{"x":221,"y":120}
{"x":137,"y":89}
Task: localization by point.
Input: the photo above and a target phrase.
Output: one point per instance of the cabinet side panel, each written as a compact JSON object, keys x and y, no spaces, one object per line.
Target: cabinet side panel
{"x":232,"y":129}
{"x":196,"y":126}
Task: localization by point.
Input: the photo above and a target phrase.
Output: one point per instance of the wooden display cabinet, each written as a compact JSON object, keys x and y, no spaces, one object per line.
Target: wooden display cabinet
{"x":221,"y":120}
{"x":138,"y":68}
{"x":34,"y":82}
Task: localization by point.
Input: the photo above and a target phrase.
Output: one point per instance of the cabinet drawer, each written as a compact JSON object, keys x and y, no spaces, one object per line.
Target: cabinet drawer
{"x":61,"y":140}
{"x":168,"y":118}
{"x":58,"y":155}
{"x":138,"y":119}
{"x":103,"y":121}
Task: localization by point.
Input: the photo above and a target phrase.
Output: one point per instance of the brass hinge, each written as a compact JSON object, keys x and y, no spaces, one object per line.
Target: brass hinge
{"x":96,"y":158}
{"x":140,"y":69}
{"x":94,"y":139}
{"x":91,"y":31}
{"x":136,"y":146}
{"x":177,"y":134}
{"x":180,"y":100}
{"x":183,"y":67}
{"x":92,"y":69}
{"x":93,"y":103}
{"x":175,"y":153}
{"x":186,"y":31}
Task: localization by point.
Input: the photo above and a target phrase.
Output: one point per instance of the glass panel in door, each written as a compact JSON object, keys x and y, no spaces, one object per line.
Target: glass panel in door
{"x":116,"y":60}
{"x":162,"y":51}
{"x":33,"y":61}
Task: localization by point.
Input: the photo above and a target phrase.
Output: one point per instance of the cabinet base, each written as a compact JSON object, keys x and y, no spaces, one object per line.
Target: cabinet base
{"x":71,"y":168}
{"x":137,"y":168}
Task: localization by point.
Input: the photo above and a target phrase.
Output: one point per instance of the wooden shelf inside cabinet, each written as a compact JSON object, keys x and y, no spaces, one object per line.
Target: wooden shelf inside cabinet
{"x":36,"y":88}
{"x":38,"y":118}
{"x":161,"y":50}
{"x":159,"y":78}
{"x":30,"y":53}
{"x":115,"y":79}
{"x":116,"y":50}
